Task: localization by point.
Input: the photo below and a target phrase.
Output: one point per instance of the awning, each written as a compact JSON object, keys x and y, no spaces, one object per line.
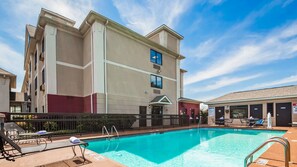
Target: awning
{"x":160,"y":100}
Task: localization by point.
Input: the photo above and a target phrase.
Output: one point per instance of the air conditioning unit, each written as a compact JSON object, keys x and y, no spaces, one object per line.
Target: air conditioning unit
{"x":42,"y":87}
{"x":41,"y":56}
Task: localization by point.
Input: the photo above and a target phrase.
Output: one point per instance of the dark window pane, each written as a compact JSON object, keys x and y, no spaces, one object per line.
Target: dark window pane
{"x":153,"y":56}
{"x":156,"y":57}
{"x":159,"y":58}
{"x":159,"y":82}
{"x":238,"y":111}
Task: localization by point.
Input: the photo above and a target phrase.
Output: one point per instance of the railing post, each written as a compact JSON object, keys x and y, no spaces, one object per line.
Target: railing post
{"x":2,"y":116}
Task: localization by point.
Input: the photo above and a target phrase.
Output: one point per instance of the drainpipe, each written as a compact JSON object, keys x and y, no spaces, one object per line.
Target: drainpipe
{"x":92,"y":71}
{"x":105,"y":72}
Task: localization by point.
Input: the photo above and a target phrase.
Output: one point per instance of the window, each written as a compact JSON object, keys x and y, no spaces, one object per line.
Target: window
{"x":270,"y":108}
{"x":238,"y":111}
{"x":156,"y":57}
{"x":35,"y":110}
{"x":43,"y":77}
{"x":15,"y":109}
{"x":35,"y":59}
{"x":29,"y":89}
{"x":35,"y":84}
{"x":42,"y":109}
{"x":42,"y":45}
{"x":156,"y":82}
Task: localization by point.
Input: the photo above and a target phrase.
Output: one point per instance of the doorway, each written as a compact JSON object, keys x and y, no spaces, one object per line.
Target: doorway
{"x":256,"y":111}
{"x":142,"y":116}
{"x":157,"y":115}
{"x":283,"y":114}
{"x":220,"y":112}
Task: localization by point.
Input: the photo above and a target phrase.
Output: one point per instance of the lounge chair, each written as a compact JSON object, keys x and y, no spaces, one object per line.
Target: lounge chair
{"x":17,"y":133}
{"x":244,"y":121}
{"x":294,"y":124}
{"x":37,"y":148}
{"x":228,"y":122}
{"x":260,"y":122}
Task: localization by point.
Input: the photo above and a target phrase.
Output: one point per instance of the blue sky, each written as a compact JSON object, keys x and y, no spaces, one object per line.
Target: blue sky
{"x":230,"y":45}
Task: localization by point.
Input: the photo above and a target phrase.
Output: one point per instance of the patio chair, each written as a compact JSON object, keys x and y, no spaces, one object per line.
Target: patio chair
{"x":244,"y":121}
{"x":16,"y":133}
{"x":37,"y":148}
{"x":260,"y":122}
{"x":228,"y":122}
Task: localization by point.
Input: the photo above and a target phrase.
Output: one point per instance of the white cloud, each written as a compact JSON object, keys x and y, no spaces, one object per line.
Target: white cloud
{"x":145,"y":16}
{"x":279,"y":44}
{"x":226,"y":81}
{"x":13,"y":62}
{"x":288,"y":80}
{"x":76,"y":10}
{"x":26,"y":12}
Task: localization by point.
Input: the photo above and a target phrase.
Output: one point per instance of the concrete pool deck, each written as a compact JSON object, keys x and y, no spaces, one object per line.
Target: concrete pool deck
{"x":274,"y":154}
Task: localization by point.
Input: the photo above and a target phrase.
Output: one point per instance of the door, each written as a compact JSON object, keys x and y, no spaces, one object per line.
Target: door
{"x":283,"y":114}
{"x":157,"y":115}
{"x":256,"y":111}
{"x":142,"y":116}
{"x":219,"y":111}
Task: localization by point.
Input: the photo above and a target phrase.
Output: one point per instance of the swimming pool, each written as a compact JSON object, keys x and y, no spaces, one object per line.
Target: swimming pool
{"x":207,"y":147}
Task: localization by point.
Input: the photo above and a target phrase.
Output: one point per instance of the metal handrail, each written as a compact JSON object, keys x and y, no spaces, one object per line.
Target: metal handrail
{"x":115,"y":129}
{"x":288,"y":144}
{"x":104,"y":129}
{"x":282,"y":142}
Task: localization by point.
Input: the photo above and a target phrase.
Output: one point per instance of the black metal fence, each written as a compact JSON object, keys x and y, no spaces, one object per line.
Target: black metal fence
{"x":67,"y":123}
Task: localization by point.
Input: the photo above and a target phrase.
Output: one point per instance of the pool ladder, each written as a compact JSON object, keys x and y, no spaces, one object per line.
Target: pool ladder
{"x":109,"y":135}
{"x":284,"y":142}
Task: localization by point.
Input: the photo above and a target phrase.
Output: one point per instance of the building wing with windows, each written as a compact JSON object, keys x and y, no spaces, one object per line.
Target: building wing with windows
{"x":100,"y":67}
{"x":280,"y":102}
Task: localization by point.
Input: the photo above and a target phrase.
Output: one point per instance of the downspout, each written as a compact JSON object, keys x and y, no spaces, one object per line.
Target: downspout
{"x":92,"y":71}
{"x":105,"y":72}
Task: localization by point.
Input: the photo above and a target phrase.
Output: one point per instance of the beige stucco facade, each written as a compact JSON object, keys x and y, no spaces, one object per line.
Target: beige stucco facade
{"x":4,"y":91}
{"x":103,"y":59}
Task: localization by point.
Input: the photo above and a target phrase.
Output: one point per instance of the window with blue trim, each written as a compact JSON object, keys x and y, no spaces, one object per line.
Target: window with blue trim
{"x":156,"y":57}
{"x":156,"y":82}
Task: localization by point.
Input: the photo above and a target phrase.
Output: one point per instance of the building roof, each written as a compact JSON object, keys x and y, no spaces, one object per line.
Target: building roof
{"x":161,"y":100}
{"x":12,"y":77}
{"x":166,"y":28}
{"x":188,"y":100}
{"x":183,"y":70}
{"x":31,"y":30}
{"x":256,"y":95}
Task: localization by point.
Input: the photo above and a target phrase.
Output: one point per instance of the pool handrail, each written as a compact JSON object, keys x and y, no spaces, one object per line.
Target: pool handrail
{"x":115,"y":129}
{"x":280,"y":140}
{"x":104,"y":129}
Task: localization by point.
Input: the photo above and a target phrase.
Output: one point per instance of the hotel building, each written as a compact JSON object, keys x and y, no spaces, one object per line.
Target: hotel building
{"x":101,"y":67}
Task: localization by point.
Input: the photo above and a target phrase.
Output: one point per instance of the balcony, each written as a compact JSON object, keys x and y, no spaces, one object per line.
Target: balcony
{"x":41,"y":56}
{"x":42,"y":87}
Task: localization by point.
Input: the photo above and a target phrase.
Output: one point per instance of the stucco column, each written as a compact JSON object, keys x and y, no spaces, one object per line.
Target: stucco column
{"x":50,"y":34}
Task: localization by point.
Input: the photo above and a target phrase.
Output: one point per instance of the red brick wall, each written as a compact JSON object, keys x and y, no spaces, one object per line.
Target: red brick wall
{"x":188,"y":106}
{"x":70,"y":104}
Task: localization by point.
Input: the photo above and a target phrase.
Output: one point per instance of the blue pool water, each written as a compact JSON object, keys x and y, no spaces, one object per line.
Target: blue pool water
{"x":207,"y":147}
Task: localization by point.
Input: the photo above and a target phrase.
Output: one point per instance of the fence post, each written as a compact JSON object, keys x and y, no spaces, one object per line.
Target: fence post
{"x":2,"y":116}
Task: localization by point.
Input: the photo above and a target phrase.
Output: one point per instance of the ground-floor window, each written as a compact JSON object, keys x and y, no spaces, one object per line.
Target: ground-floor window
{"x":239,"y":111}
{"x":15,"y":109}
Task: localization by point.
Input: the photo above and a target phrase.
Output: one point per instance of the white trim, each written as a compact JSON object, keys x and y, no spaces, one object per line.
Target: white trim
{"x":138,"y":70}
{"x":73,"y":65}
